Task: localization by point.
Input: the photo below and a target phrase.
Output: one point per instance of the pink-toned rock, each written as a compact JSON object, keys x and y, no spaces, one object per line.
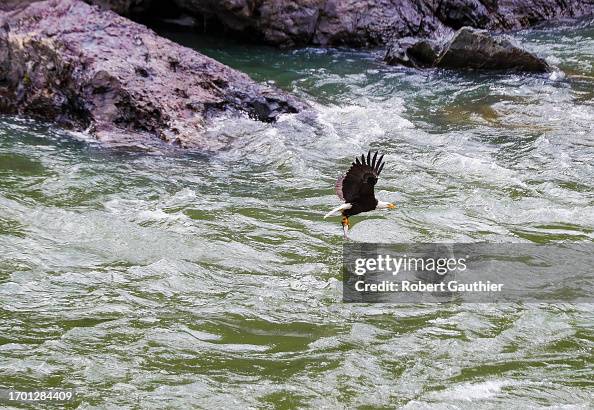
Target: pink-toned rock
{"x":90,"y":69}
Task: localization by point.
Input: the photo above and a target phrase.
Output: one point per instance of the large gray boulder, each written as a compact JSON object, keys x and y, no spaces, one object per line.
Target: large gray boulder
{"x":467,"y":49}
{"x":91,"y":69}
{"x":478,"y":49}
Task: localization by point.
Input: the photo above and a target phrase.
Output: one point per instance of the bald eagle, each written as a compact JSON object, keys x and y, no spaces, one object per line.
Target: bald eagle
{"x":356,"y":189}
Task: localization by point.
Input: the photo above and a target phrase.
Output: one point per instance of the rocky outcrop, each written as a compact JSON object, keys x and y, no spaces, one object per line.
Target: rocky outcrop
{"x":88,"y":68}
{"x":365,"y":22}
{"x":289,"y":23}
{"x":468,"y":48}
{"x":477,"y":49}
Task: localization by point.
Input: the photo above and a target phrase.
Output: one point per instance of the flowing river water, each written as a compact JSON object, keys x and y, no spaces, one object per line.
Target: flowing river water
{"x":156,"y":277}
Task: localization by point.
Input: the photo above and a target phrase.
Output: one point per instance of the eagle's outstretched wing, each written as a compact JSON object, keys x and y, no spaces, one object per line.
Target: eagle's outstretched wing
{"x":360,"y":178}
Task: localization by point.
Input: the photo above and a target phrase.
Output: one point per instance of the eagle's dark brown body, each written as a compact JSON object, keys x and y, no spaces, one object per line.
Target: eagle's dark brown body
{"x":363,"y":205}
{"x":356,"y":187}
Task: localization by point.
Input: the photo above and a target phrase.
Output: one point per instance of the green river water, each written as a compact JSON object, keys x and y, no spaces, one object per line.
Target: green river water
{"x":164,"y":278}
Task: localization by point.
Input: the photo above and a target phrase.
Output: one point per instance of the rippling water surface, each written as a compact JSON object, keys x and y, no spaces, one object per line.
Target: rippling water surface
{"x":169,"y":278}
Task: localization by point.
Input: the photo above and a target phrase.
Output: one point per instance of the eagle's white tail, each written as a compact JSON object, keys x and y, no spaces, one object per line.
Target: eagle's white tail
{"x":338,"y":209}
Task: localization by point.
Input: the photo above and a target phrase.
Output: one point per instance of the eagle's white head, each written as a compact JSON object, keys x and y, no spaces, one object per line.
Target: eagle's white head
{"x":384,"y":205}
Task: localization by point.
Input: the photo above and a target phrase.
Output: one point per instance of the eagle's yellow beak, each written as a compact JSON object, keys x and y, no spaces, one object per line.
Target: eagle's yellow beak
{"x":391,"y":206}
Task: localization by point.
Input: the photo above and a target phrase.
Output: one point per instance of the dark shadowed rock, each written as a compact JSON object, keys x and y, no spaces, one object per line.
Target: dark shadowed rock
{"x":460,"y":13}
{"x":88,"y":68}
{"x":477,"y":49}
{"x":397,"y":52}
{"x":412,"y":52}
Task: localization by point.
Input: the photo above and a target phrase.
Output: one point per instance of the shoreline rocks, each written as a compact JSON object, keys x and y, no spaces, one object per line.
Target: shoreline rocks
{"x":467,"y":49}
{"x":91,"y":69}
{"x":357,"y":23}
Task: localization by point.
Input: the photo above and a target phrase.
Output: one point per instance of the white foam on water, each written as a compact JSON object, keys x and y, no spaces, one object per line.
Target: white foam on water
{"x":473,"y":391}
